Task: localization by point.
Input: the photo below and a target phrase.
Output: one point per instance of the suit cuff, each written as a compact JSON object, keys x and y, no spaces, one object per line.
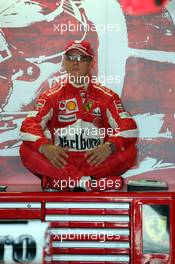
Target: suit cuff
{"x":40,"y":142}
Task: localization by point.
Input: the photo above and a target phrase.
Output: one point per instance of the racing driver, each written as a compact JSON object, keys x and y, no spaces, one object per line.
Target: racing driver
{"x":79,"y":134}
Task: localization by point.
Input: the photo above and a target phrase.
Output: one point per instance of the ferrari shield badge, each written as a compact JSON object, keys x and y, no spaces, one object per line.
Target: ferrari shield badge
{"x":88,"y":106}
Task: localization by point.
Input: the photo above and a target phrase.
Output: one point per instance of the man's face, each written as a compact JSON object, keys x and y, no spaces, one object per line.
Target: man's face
{"x":78,"y":65}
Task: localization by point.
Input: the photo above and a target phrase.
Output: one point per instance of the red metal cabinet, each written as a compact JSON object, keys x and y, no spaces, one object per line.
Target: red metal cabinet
{"x":120,"y":228}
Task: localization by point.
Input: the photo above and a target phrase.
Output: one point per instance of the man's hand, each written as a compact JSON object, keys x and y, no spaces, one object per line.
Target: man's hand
{"x":56,"y":155}
{"x":97,"y":155}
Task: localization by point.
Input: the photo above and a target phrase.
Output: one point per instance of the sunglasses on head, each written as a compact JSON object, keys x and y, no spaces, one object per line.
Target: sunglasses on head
{"x":78,"y":58}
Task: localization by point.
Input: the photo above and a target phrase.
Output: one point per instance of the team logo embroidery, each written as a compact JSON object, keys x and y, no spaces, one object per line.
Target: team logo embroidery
{"x":40,"y":104}
{"x":71,"y":105}
{"x":97,"y":111}
{"x":62,"y":105}
{"x":88,"y":106}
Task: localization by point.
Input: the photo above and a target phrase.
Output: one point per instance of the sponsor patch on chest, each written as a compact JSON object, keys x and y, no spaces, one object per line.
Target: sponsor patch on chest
{"x":67,"y":118}
{"x":97,"y":111}
{"x":62,"y":105}
{"x":68,"y":106}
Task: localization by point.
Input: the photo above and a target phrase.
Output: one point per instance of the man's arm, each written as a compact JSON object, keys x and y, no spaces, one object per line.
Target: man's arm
{"x":33,"y":128}
{"x":124,"y":127}
{"x":33,"y":133}
{"x":121,"y":134}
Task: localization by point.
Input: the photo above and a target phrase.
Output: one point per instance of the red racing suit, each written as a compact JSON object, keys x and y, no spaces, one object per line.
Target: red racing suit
{"x":79,"y":119}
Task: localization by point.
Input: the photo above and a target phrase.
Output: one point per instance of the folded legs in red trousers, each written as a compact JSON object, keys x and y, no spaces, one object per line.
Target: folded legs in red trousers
{"x":77,"y":167}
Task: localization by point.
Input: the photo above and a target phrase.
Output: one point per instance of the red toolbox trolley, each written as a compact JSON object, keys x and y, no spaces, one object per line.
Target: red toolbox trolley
{"x":120,"y":228}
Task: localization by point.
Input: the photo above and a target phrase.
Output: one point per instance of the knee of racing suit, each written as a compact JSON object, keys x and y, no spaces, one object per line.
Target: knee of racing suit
{"x":122,"y":161}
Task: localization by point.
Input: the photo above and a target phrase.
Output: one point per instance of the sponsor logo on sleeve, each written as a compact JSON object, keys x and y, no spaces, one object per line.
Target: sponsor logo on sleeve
{"x":40,"y":104}
{"x":124,"y":115}
{"x":32,"y":114}
{"x":119,"y":106}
